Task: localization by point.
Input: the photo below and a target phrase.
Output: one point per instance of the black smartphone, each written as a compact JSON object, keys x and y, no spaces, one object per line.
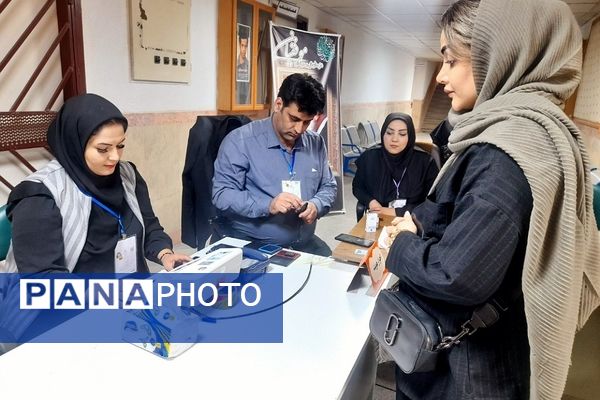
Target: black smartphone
{"x":302,"y":208}
{"x":344,"y":237}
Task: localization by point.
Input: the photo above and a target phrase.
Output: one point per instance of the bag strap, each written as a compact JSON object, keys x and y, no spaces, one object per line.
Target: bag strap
{"x":483,"y":317}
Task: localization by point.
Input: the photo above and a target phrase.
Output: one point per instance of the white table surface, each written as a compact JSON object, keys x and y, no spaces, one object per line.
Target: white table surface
{"x":325,"y":330}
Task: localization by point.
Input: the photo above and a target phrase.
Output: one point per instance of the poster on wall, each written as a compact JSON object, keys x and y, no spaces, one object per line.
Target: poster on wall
{"x":160,"y":40}
{"x":242,"y":70}
{"x":318,"y":54}
{"x":243,"y":54}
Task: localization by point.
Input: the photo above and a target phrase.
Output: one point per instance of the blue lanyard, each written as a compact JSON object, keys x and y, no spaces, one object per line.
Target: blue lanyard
{"x":290,"y":164}
{"x":111,"y":212}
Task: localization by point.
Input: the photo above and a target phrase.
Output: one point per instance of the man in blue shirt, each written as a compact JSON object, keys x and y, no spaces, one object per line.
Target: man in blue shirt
{"x":267,"y":170}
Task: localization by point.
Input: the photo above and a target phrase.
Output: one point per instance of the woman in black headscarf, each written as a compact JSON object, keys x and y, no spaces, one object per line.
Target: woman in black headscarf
{"x":86,"y":211}
{"x":396,"y":176}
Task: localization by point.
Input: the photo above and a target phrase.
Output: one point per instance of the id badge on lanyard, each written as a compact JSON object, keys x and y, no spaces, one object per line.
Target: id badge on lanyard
{"x":291,"y":186}
{"x":398,"y":203}
{"x":125,"y":255}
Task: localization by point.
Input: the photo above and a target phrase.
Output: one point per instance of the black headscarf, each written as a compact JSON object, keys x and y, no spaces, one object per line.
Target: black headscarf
{"x":68,"y":135}
{"x":397,"y":162}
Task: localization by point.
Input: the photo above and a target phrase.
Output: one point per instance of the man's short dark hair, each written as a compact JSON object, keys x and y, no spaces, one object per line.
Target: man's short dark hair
{"x":305,"y":91}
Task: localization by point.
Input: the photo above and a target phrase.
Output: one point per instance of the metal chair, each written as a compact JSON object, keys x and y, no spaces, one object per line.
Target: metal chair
{"x":367,"y":138}
{"x":360,"y":210}
{"x":375,"y":131}
{"x":350,"y":152}
{"x":355,"y":138}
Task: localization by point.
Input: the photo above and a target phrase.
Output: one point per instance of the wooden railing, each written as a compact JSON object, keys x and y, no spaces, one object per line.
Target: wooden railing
{"x":27,"y":129}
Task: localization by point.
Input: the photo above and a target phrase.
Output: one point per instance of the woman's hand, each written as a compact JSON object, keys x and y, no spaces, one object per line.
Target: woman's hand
{"x":399,"y":224}
{"x":169,"y":260}
{"x":374,"y":206}
{"x":405,"y":223}
{"x":387,"y":211}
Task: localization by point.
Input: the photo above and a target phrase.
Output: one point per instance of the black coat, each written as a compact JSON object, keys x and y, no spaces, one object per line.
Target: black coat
{"x":203,"y":145}
{"x":472,"y":244}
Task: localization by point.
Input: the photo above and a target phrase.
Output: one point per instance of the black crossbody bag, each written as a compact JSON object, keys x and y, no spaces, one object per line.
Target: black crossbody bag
{"x":413,"y":338}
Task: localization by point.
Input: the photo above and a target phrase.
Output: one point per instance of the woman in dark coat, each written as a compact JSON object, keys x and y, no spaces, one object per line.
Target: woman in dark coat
{"x":395,"y":177}
{"x":510,"y":216}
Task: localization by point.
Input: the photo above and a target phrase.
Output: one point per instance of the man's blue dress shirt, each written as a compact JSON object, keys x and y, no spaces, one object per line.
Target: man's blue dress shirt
{"x":249,"y":169}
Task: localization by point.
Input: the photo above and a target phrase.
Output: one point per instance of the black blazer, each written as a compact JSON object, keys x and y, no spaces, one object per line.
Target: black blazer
{"x":472,"y":246}
{"x":203,"y":145}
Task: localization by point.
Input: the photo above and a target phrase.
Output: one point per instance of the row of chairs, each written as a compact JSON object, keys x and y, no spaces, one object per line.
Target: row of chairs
{"x":356,"y":139}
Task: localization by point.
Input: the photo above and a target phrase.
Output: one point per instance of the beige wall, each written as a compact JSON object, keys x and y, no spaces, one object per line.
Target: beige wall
{"x":418,"y":113}
{"x":587,"y":107}
{"x":588,"y":95}
{"x":156,"y":144}
{"x":591,"y":137}
{"x":352,"y":114}
{"x":583,"y":382}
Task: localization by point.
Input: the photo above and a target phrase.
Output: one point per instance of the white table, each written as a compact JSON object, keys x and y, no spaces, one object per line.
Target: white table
{"x":321,"y":357}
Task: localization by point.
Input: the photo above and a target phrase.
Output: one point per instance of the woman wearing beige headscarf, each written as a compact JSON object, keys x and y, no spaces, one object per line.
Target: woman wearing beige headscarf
{"x":511,"y":208}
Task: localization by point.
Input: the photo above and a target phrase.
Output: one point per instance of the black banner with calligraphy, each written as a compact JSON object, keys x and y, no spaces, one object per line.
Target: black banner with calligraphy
{"x":318,"y":54}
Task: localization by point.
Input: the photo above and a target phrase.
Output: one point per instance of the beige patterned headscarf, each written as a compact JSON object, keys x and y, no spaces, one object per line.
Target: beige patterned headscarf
{"x":526,"y":57}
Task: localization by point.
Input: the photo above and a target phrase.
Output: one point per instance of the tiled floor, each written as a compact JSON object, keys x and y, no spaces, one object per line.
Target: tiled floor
{"x":335,"y":223}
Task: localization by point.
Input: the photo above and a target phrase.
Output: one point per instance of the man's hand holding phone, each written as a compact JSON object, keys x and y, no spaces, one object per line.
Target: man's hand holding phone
{"x":284,"y":202}
{"x":309,"y":212}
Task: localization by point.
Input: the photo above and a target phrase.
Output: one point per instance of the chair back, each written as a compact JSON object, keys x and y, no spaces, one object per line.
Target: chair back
{"x":344,"y":135}
{"x":373,"y":130}
{"x":365,"y":132}
{"x":360,"y":210}
{"x":362,"y":134}
{"x":350,"y":152}
{"x":432,"y":150}
{"x":353,"y":135}
{"x":5,"y":233}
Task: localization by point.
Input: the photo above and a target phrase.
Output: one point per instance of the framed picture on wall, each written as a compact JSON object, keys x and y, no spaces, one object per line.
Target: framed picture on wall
{"x":160,"y":40}
{"x":243,"y":58}
{"x":243,"y":63}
